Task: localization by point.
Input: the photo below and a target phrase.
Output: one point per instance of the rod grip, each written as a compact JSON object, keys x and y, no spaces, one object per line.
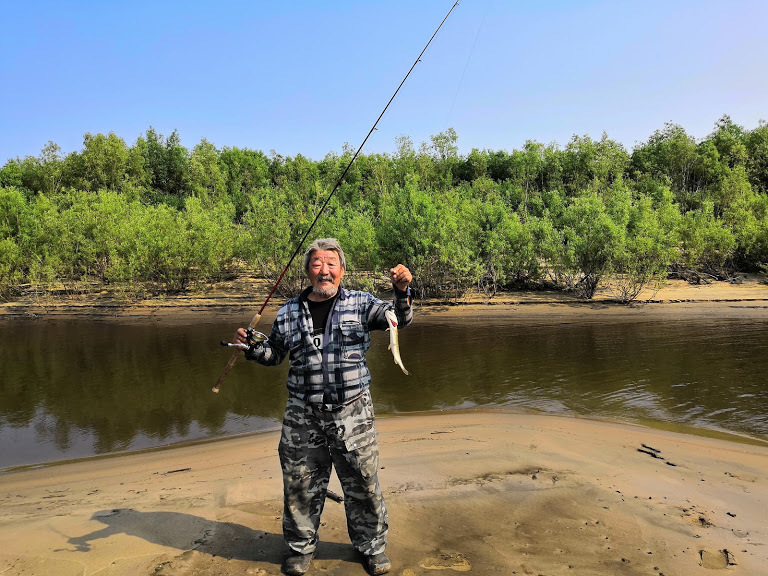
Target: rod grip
{"x":233,"y":358}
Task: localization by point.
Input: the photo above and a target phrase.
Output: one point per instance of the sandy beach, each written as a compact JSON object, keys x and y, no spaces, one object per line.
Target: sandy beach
{"x":482,"y":492}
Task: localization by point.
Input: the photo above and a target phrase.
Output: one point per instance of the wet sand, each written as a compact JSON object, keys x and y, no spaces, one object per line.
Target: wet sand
{"x":479,"y":492}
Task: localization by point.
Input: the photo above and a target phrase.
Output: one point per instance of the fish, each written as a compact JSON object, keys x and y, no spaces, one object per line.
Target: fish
{"x":394,"y":347}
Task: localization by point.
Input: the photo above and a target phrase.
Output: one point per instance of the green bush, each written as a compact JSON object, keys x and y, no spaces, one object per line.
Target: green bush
{"x":155,"y":214}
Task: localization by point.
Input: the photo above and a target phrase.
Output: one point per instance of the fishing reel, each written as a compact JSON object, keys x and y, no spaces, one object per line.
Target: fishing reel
{"x":252,"y":336}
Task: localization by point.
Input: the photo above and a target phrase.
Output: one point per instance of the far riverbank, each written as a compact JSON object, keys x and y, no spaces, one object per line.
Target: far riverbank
{"x":240,"y":299}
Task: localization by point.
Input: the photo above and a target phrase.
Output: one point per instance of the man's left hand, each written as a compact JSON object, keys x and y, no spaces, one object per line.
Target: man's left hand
{"x":401,"y":277}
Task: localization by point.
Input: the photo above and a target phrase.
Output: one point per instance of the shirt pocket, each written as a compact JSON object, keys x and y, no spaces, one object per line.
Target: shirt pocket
{"x":353,"y":340}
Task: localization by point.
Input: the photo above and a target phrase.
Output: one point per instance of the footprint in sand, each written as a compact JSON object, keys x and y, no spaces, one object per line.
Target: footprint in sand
{"x":455,"y":562}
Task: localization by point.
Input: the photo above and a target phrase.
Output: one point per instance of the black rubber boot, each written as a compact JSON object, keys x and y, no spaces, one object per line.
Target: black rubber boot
{"x":377,"y":564}
{"x":297,"y":564}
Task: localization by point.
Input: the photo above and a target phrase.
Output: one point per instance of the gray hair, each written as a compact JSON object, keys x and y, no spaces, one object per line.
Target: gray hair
{"x":330,"y":244}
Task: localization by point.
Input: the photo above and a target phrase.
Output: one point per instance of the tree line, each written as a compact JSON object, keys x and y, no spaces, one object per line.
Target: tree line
{"x":156,"y":216}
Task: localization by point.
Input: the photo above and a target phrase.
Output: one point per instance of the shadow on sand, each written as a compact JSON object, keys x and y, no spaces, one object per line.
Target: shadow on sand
{"x":187,"y":532}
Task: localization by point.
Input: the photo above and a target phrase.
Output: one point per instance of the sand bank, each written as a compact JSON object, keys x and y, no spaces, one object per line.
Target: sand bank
{"x":480,"y":492}
{"x":238,"y":300}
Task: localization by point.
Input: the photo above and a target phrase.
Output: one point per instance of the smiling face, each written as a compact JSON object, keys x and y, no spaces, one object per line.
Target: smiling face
{"x":325,"y":273}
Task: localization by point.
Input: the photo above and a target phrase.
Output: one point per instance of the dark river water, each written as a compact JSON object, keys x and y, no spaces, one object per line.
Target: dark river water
{"x":73,"y":389}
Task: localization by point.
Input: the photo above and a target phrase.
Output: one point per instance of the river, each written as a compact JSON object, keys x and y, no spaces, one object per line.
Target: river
{"x":75,"y":388}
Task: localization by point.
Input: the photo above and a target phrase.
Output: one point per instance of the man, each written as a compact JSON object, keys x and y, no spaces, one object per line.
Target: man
{"x":329,"y":415}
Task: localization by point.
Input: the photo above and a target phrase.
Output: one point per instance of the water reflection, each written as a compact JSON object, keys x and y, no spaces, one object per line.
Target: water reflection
{"x":121,"y":387}
{"x":76,"y":388}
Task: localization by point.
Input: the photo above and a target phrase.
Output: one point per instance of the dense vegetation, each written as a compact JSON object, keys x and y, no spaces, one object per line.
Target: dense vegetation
{"x":156,"y":215}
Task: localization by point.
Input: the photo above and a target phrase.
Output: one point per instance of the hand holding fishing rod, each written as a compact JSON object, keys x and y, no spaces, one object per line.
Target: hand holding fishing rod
{"x":246,"y":338}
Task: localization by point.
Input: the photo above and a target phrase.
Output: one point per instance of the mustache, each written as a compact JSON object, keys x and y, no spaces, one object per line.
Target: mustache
{"x":322,"y":277}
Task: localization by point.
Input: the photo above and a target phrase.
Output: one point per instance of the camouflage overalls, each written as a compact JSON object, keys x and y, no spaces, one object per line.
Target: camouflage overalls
{"x":329,"y":418}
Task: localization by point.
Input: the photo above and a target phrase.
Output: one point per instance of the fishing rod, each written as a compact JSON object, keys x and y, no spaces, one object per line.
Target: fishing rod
{"x":257,"y":317}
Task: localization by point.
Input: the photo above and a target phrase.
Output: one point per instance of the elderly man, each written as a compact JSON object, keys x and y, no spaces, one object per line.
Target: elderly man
{"x":329,"y":415}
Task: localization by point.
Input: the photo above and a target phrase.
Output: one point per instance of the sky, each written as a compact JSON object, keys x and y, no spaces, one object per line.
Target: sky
{"x":307,"y":77}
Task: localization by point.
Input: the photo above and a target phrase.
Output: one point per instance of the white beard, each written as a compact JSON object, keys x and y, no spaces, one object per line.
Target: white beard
{"x":324,"y":292}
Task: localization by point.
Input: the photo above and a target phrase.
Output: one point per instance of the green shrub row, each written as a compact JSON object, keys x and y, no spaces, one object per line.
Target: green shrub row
{"x":157,"y":215}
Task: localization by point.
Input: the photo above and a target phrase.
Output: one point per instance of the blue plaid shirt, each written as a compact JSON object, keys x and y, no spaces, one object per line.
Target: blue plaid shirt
{"x":337,"y":373}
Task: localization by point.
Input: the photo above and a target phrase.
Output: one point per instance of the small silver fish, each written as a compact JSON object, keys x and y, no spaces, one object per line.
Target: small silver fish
{"x":393,"y":343}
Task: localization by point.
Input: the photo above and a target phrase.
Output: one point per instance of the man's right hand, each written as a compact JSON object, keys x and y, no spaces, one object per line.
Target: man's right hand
{"x":241,"y":336}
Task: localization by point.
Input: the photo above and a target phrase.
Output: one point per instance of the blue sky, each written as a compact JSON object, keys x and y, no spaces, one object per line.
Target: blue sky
{"x":306,"y":77}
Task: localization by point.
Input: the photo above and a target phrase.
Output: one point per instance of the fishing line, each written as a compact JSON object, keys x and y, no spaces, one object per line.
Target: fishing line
{"x":256,"y":318}
{"x":461,"y":80}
